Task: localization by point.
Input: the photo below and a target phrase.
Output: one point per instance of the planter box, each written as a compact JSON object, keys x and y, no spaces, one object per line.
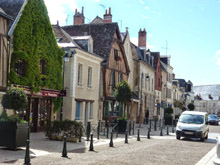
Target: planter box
{"x":72,"y":139}
{"x":13,"y":135}
{"x":168,"y":120}
{"x":122,"y":125}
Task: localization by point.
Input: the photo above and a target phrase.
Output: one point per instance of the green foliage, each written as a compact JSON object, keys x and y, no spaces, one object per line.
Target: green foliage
{"x":57,"y":103}
{"x":178,"y":104}
{"x":13,"y":118}
{"x":33,"y":41}
{"x":122,"y":118}
{"x":191,"y":106}
{"x":15,"y":98}
{"x":123,"y":92}
{"x":169,"y":110}
{"x":4,"y":116}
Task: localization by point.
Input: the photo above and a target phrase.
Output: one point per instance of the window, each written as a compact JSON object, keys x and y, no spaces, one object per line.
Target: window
{"x":42,"y":67}
{"x":116,"y":55}
{"x":20,"y":67}
{"x":89,"y":84}
{"x":78,"y":107}
{"x":91,"y":111}
{"x":80,"y":70}
{"x":120,"y":77}
{"x":113,"y":80}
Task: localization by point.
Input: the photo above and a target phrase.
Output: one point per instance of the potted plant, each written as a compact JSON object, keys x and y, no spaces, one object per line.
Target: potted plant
{"x":168,"y":116}
{"x":123,"y":95}
{"x":191,"y":106}
{"x":15,"y":130}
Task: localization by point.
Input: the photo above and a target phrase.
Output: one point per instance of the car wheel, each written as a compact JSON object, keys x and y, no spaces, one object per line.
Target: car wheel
{"x":177,"y":137}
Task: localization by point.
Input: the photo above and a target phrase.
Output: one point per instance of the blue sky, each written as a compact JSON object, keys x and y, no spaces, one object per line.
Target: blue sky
{"x":191,"y":29}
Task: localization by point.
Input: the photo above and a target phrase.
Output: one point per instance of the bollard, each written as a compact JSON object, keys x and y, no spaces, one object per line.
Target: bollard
{"x":133,"y":127}
{"x":91,"y":143}
{"x":88,"y":130}
{"x":27,"y":154}
{"x":148,"y":133}
{"x":161,"y":131}
{"x":64,"y":153}
{"x":107,"y":131}
{"x":217,"y":158}
{"x":167,"y":130}
{"x":129,"y":127}
{"x":98,"y":129}
{"x":172,"y":126}
{"x":126,"y":136}
{"x":111,"y":140}
{"x":138,"y":135}
{"x":117,"y":129}
{"x":155,"y":124}
{"x":80,"y":134}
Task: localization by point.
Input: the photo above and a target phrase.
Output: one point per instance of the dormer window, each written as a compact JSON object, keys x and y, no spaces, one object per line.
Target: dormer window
{"x":116,"y":55}
{"x":20,"y":67}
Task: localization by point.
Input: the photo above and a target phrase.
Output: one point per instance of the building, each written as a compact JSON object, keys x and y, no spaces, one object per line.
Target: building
{"x":207,"y":98}
{"x":4,"y":53}
{"x":35,"y":62}
{"x":82,"y":69}
{"x":108,"y":44}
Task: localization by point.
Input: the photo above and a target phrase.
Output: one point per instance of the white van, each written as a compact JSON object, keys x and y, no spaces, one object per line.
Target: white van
{"x":193,"y":125}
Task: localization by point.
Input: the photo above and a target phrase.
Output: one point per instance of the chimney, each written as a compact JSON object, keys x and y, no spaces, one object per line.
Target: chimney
{"x":108,"y":16}
{"x":79,"y":17}
{"x":142,"y":37}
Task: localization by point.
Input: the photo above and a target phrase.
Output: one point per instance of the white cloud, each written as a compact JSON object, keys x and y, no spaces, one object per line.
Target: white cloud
{"x":141,"y":1}
{"x":97,"y":1}
{"x":147,"y":7}
{"x":144,"y":17}
{"x":134,"y":40}
{"x":217,"y":56}
{"x":56,"y":10}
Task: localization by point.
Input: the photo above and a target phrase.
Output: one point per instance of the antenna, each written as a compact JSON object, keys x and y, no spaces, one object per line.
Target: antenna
{"x":166,"y":47}
{"x":67,"y":19}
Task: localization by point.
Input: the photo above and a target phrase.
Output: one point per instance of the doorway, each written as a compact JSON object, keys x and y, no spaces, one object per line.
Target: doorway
{"x":86,"y":114}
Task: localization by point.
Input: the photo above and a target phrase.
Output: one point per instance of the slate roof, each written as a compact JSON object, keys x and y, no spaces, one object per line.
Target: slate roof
{"x":156,"y":56}
{"x":123,"y":36}
{"x":60,"y":35}
{"x":3,"y":14}
{"x":97,"y":19}
{"x":163,"y":66}
{"x":11,"y":8}
{"x":102,"y":34}
{"x":205,"y":90}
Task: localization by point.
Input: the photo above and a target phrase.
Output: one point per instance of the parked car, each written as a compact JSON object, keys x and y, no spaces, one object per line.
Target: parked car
{"x":193,"y":124}
{"x":213,"y":119}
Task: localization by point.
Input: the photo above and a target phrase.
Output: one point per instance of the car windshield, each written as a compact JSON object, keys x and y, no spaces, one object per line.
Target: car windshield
{"x":191,"y":119}
{"x":213,"y":116}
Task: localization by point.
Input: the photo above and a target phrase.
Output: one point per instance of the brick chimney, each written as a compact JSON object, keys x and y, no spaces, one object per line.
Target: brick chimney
{"x":79,"y":17}
{"x":108,"y":16}
{"x":142,"y":38}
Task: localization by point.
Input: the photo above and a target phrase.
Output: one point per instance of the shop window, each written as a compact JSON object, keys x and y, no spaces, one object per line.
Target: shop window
{"x":78,"y":107}
{"x":20,"y":67}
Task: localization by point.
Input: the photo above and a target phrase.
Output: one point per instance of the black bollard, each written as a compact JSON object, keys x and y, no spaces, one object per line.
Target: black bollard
{"x":161,"y":131}
{"x":27,"y":159}
{"x":148,"y":133}
{"x":138,"y":135}
{"x":64,"y":153}
{"x":129,"y":127}
{"x":80,"y":134}
{"x":167,"y":130}
{"x":88,"y":130}
{"x":107,"y":131}
{"x":126,"y":136}
{"x":155,"y":124}
{"x":172,"y":126}
{"x":91,"y":143}
{"x":98,"y":129}
{"x":133,"y":127}
{"x":111,"y":140}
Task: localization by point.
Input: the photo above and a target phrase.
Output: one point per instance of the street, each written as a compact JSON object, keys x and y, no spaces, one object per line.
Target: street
{"x":157,"y":150}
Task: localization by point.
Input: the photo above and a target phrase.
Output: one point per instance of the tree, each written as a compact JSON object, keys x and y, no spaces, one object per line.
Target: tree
{"x":15,"y":98}
{"x":123,"y":93}
{"x":178,"y":104}
{"x":191,"y":106}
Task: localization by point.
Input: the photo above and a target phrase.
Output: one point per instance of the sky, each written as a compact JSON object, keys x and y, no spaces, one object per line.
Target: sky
{"x":189,"y":29}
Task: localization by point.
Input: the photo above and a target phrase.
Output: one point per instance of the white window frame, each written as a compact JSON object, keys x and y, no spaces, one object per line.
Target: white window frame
{"x":80,"y":75}
{"x":89,"y":83}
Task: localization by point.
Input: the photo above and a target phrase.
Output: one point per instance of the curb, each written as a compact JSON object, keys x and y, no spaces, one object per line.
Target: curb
{"x":208,"y":158}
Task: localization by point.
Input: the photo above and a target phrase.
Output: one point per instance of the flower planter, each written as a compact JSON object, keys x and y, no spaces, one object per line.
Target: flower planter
{"x":13,"y":135}
{"x":122,"y":125}
{"x":72,"y":139}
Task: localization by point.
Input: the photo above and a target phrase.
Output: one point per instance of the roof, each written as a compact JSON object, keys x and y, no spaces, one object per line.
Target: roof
{"x":205,"y":90}
{"x":123,"y":36}
{"x":12,"y":8}
{"x":61,"y":37}
{"x":97,"y":19}
{"x":163,"y":66}
{"x":3,"y":14}
{"x":102,"y":34}
{"x":194,"y":113}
